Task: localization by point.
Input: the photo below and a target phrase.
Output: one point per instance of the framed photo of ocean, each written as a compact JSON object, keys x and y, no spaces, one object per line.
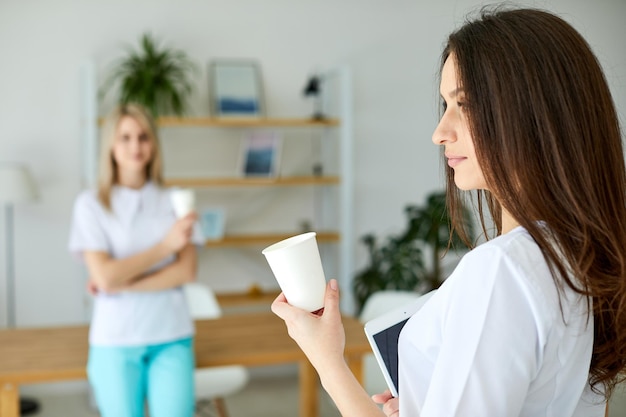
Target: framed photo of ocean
{"x":236,"y":89}
{"x":260,"y":154}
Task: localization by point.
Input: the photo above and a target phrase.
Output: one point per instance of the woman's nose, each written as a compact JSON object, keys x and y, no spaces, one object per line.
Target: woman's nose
{"x":134,"y":144}
{"x":444,"y":132}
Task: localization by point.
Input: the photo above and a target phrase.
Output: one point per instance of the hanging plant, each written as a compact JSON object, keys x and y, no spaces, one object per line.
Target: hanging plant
{"x":158,"y":79}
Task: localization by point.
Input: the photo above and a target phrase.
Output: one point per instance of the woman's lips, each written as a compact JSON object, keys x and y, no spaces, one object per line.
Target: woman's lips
{"x":455,"y":160}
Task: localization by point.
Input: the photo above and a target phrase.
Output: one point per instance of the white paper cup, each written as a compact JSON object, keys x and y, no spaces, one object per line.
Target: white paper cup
{"x":183,"y":201}
{"x":297,"y":266}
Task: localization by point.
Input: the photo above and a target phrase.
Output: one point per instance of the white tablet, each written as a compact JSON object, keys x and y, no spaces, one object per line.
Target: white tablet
{"x":383,"y":333}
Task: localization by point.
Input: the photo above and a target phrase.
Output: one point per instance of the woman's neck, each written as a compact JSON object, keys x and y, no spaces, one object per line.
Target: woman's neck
{"x":508,"y":222}
{"x":131,"y":180}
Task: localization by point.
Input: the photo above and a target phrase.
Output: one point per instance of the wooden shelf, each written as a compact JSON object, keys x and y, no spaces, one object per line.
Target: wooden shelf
{"x":265,"y":239}
{"x":251,"y":181}
{"x":170,"y":121}
{"x":244,"y":122}
{"x":247,"y":298}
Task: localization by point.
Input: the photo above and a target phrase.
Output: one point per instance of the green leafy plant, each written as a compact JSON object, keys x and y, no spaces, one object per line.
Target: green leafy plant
{"x":400,"y":263}
{"x":158,"y":79}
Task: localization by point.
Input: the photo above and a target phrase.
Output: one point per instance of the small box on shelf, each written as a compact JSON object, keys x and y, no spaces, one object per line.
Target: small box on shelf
{"x":212,"y":223}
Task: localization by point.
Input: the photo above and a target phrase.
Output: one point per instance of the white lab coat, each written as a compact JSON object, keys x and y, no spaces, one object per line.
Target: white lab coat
{"x":495,"y":341}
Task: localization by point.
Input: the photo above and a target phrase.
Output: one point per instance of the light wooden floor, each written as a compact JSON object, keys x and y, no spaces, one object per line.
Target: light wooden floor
{"x":265,"y":396}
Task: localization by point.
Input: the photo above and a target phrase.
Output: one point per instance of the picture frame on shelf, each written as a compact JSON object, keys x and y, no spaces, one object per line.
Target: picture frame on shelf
{"x":260,"y":154}
{"x":235,"y":89}
{"x":212,"y":221}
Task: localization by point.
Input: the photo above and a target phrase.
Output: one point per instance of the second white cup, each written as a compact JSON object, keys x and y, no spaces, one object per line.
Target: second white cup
{"x":183,"y":201}
{"x":297,"y":266}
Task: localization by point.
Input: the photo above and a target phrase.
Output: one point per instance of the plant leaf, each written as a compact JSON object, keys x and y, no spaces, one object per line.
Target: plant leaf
{"x":158,"y":79}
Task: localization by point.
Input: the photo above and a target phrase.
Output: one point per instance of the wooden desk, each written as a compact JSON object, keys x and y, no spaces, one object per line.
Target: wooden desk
{"x":60,"y":353}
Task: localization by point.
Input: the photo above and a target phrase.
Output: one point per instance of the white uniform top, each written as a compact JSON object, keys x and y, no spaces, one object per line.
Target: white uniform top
{"x":139,"y":219}
{"x":493,"y":341}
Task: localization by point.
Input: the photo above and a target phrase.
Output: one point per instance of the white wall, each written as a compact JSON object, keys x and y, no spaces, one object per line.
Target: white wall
{"x":392,"y":47}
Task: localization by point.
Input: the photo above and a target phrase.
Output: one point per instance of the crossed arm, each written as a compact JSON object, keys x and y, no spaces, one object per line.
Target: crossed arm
{"x":129,"y":274}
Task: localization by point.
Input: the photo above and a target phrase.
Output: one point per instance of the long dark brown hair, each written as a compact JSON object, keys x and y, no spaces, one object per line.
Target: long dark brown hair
{"x":548,"y":140}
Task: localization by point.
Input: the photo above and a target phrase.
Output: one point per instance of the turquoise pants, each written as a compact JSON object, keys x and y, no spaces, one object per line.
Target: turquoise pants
{"x":125,"y":378}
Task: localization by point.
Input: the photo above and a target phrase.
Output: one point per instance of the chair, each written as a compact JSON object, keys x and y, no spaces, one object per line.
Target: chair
{"x":212,"y":384}
{"x":376,"y":305}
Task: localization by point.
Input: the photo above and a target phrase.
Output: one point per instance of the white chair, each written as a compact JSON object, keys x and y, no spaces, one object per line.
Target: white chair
{"x":376,"y":305}
{"x":212,"y":384}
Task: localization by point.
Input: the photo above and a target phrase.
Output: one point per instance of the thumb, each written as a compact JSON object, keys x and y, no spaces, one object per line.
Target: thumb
{"x":383,"y":397}
{"x":331,"y":298}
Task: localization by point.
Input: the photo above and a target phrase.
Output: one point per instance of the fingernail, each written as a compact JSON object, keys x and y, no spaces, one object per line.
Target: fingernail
{"x":333,"y":284}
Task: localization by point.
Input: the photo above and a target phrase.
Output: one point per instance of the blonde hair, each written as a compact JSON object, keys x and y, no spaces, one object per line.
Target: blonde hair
{"x":108,"y":174}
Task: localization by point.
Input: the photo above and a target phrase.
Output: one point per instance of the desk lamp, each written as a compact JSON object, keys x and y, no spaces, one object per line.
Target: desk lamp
{"x":314,"y":88}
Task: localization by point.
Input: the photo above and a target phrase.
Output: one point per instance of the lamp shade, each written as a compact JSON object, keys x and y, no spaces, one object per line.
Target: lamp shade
{"x":312,"y":87}
{"x":16,"y":184}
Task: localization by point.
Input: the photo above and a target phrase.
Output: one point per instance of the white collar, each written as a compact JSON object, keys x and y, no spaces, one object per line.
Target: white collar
{"x":127,"y":202}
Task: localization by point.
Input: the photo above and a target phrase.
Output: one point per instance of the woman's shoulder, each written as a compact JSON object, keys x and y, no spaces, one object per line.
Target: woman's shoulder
{"x":512,"y":263}
{"x":517,"y":246}
{"x":514,"y":250}
{"x":87,"y":203}
{"x":87,"y":198}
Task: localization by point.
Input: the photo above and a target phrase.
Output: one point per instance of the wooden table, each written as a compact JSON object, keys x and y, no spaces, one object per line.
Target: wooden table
{"x":60,"y":353}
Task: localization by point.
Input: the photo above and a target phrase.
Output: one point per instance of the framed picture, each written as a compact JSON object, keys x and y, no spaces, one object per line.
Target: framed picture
{"x":235,"y":89}
{"x":212,"y":223}
{"x":260,"y":154}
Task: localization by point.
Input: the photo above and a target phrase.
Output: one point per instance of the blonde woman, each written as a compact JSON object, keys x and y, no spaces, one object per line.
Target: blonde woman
{"x":138,"y":255}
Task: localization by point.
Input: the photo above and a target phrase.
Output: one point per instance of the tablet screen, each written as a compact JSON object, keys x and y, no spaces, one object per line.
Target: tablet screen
{"x":387,"y":342}
{"x":383,"y":333}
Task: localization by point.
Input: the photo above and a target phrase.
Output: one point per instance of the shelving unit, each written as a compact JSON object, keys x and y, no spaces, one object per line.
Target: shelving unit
{"x":170,"y":121}
{"x":250,"y":300}
{"x":340,"y":122}
{"x":252,"y":182}
{"x":244,"y":122}
{"x":266,"y":239}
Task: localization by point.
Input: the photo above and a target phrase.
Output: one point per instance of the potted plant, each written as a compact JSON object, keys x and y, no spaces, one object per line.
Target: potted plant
{"x":158,"y":79}
{"x":400,"y":264}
